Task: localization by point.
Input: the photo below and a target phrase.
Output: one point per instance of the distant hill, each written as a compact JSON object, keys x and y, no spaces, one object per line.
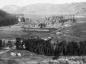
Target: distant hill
{"x":49,"y":9}
{"x":11,"y":9}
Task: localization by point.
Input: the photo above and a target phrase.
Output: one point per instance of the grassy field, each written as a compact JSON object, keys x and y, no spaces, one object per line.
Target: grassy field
{"x":77,"y":32}
{"x":18,"y":31}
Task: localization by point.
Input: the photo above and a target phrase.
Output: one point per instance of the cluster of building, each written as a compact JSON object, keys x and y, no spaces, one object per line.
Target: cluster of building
{"x":47,"y":21}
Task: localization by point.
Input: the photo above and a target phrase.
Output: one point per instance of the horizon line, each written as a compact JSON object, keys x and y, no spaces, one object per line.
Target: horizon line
{"x":41,"y":3}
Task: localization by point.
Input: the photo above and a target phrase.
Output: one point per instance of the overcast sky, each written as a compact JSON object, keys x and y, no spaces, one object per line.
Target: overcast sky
{"x":27,"y":2}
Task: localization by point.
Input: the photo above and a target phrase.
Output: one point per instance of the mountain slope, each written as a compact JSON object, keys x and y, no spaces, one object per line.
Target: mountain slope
{"x":49,"y":9}
{"x":11,"y":9}
{"x":7,"y":19}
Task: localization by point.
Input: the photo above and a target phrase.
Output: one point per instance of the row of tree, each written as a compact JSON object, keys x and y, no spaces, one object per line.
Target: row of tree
{"x":40,"y":46}
{"x":45,"y":47}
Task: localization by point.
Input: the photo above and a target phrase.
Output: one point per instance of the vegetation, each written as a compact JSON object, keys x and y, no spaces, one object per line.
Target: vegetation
{"x":57,"y":48}
{"x":42,"y":25}
{"x":7,"y":19}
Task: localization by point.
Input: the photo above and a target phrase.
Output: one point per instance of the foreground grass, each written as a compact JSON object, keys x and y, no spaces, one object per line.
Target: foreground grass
{"x":61,"y":60}
{"x":31,"y":58}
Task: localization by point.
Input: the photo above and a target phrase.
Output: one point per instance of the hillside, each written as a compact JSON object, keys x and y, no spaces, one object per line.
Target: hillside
{"x":11,"y":8}
{"x":48,"y":9}
{"x":7,"y":19}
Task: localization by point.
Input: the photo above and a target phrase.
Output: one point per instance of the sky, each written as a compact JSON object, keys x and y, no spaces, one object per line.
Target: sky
{"x":27,"y":2}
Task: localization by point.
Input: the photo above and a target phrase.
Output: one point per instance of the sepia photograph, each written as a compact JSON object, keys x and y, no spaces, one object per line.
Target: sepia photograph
{"x":42,"y":31}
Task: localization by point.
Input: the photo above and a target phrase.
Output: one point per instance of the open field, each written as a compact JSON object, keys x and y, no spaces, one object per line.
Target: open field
{"x":18,"y":31}
{"x":77,"y":31}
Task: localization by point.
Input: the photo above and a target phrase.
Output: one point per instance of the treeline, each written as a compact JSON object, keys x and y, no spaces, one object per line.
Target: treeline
{"x":61,"y":48}
{"x":7,"y":19}
{"x":40,"y":46}
{"x":45,"y":47}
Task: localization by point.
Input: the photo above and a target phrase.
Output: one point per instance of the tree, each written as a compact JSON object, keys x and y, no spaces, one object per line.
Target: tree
{"x":74,"y":20}
{"x":42,"y":25}
{"x":61,"y":20}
